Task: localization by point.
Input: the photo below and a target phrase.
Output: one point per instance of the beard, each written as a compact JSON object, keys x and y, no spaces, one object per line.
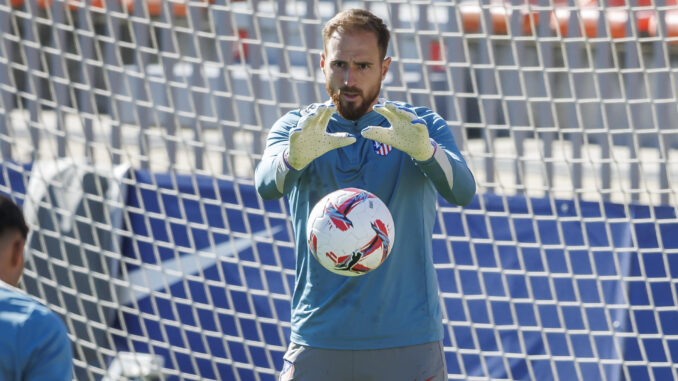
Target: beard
{"x":352,"y":110}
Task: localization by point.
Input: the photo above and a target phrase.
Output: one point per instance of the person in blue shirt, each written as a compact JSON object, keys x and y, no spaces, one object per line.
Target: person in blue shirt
{"x":386,"y":324}
{"x":34,"y":343}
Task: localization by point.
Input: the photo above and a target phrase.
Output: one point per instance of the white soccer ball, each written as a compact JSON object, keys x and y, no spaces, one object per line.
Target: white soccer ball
{"x":350,"y":232}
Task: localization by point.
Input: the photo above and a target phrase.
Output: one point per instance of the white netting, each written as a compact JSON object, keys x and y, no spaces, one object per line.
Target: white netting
{"x":129,"y":131}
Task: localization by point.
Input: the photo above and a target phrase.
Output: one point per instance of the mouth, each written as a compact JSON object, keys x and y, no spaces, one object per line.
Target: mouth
{"x":350,"y":97}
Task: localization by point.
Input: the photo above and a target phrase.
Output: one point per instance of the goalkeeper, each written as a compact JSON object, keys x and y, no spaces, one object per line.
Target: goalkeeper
{"x":387,"y":324}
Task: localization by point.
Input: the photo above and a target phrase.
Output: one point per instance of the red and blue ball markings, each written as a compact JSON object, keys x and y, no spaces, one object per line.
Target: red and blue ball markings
{"x":313,"y":244}
{"x":339,"y":214}
{"x":351,"y":262}
{"x":382,"y":238}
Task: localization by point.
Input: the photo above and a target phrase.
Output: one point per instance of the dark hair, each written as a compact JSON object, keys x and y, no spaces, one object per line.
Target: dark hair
{"x":11,"y":217}
{"x":358,"y":20}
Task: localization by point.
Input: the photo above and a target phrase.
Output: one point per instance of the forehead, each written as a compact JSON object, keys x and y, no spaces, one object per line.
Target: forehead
{"x":352,"y":45}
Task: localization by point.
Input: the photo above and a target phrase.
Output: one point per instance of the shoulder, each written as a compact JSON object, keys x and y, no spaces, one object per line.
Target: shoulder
{"x":45,"y":320}
{"x":44,"y":332}
{"x":16,"y":305}
{"x":288,"y":120}
{"x":31,"y":322}
{"x":21,"y":309}
{"x":42,"y":348}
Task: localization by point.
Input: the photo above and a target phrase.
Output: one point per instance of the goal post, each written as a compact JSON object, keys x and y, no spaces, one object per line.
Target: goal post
{"x":129,"y":131}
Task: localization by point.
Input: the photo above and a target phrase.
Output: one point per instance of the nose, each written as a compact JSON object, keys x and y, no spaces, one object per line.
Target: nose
{"x":350,"y":77}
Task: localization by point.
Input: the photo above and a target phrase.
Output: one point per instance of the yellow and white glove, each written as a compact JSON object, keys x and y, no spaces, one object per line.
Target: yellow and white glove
{"x":407,"y":133}
{"x":310,"y":139}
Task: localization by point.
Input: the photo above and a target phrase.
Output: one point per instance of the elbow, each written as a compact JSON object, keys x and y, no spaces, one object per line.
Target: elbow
{"x":464,"y":188}
{"x":467,"y":199}
{"x":468,"y":195}
{"x":261,"y":191}
{"x":460,"y":197}
{"x":267,"y":196}
{"x":265,"y":189}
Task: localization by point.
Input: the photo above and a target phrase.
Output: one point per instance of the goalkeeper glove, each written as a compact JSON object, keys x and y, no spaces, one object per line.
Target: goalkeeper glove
{"x":310,"y":140}
{"x":407,"y":133}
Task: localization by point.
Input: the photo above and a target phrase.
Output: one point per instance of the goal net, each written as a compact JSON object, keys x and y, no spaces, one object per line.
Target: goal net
{"x":129,"y":131}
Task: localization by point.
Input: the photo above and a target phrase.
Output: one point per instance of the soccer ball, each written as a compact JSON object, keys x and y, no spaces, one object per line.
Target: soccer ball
{"x":350,"y":232}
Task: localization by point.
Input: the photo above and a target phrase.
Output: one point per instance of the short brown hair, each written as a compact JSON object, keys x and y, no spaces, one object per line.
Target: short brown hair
{"x":11,"y":217}
{"x":358,"y":20}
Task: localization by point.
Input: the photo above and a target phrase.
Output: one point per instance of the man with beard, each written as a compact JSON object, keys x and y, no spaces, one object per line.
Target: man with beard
{"x":386,"y":324}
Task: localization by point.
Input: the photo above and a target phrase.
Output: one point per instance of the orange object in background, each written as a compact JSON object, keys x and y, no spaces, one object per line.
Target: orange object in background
{"x":72,"y":4}
{"x":613,"y":14}
{"x":181,"y":9}
{"x":643,"y":17}
{"x":470,"y":17}
{"x":529,"y":19}
{"x":76,"y":4}
{"x":500,"y":15}
{"x":671,"y":20}
{"x":154,"y":7}
{"x":560,"y":17}
{"x":616,"y":17}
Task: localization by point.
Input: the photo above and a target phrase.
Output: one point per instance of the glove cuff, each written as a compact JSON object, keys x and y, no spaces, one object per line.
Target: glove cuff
{"x":287,"y":163}
{"x":435,"y":148}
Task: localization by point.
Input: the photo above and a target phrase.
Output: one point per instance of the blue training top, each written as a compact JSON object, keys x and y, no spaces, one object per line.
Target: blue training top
{"x":398,"y":303}
{"x":34,"y":344}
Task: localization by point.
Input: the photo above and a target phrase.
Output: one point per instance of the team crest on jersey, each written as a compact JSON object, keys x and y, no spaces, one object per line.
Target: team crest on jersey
{"x":381,"y":149}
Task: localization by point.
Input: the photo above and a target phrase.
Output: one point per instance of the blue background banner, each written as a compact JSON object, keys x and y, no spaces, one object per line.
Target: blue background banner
{"x":532,"y":288}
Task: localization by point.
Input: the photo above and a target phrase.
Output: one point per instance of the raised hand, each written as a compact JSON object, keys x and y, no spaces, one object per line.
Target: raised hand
{"x":407,"y":133}
{"x":310,"y":139}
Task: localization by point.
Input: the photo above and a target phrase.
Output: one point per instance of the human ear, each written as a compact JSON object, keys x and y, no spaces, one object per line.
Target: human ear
{"x":384,"y":67}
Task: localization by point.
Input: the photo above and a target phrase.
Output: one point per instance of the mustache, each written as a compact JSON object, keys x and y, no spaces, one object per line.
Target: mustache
{"x":349,"y":89}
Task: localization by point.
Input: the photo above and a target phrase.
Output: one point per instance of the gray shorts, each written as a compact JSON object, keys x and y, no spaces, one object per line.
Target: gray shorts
{"x":423,"y":362}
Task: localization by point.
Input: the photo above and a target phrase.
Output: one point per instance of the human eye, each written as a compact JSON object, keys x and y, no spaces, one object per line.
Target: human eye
{"x":339,"y":64}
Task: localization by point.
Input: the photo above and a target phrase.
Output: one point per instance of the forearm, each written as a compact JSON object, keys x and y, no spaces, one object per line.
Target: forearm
{"x":273,"y":177}
{"x":451,"y":176}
